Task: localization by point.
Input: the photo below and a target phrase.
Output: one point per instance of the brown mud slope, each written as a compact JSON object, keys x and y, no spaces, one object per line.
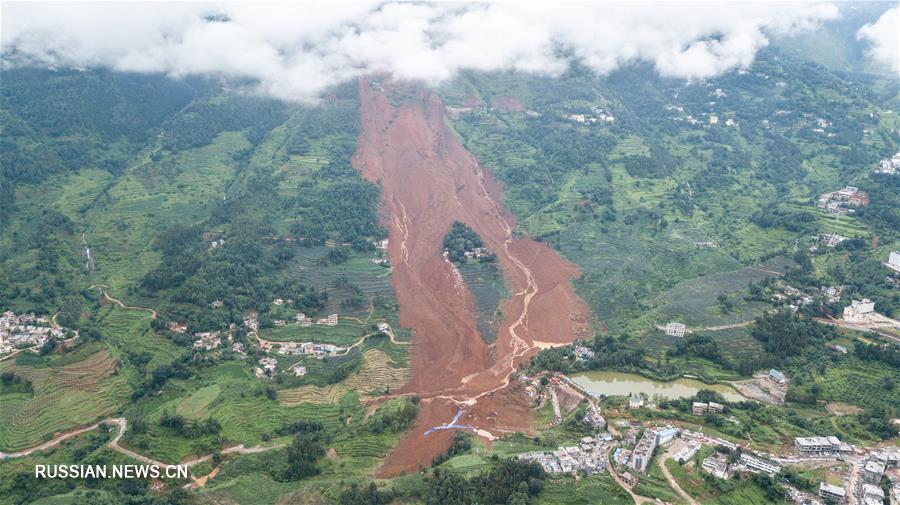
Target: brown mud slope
{"x":429,"y":180}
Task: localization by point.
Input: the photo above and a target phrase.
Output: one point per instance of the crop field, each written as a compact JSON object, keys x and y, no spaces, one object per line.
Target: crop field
{"x":129,"y":329}
{"x":372,"y":280}
{"x":153,"y":195}
{"x":377,"y":374}
{"x":64,"y":397}
{"x":621,"y":267}
{"x":345,"y":333}
{"x":693,"y":302}
{"x":859,"y":383}
{"x":485,"y":282}
{"x":594,"y":489}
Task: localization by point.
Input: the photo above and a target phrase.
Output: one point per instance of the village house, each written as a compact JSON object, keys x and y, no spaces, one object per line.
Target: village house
{"x":832,"y":293}
{"x":831,"y":239}
{"x":177,"y":326}
{"x":842,"y":200}
{"x":217,"y":304}
{"x":635,"y":401}
{"x":777,"y":377}
{"x":267,"y":368}
{"x":687,"y":452}
{"x":893,"y":261}
{"x":251,"y":323}
{"x":836,"y":348}
{"x":675,"y":329}
{"x":278,"y":301}
{"x":331,"y":320}
{"x":238,"y":348}
{"x":889,"y":166}
{"x":582,"y":352}
{"x":27,"y":330}
{"x":593,"y":418}
{"x":278,"y":322}
{"x":718,"y":467}
{"x":299,"y":371}
{"x":384,"y":327}
{"x":302,"y":320}
{"x":699,"y":408}
{"x":207,"y":341}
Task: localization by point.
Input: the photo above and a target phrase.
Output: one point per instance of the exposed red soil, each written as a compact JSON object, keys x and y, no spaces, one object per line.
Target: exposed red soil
{"x":472,"y":101}
{"x":508,"y":103}
{"x":429,"y":180}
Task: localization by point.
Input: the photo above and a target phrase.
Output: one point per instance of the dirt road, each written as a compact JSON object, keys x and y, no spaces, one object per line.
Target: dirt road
{"x":428,"y":181}
{"x":113,"y":444}
{"x":119,"y":302}
{"x":638,"y":499}
{"x":666,"y":455}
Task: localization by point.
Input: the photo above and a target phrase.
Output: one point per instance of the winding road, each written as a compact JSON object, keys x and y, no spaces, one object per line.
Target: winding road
{"x":113,"y":444}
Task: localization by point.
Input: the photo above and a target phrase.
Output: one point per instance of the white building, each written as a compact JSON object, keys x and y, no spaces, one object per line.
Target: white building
{"x":759,"y":465}
{"x":299,"y":371}
{"x":635,"y":401}
{"x":717,"y":466}
{"x":675,"y":329}
{"x":777,"y":376}
{"x":819,"y":445}
{"x":666,"y":434}
{"x":894,"y":261}
{"x":687,"y":452}
{"x":858,"y":311}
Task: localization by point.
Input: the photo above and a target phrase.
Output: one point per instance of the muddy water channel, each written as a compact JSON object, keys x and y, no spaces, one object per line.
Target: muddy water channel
{"x":623,"y":384}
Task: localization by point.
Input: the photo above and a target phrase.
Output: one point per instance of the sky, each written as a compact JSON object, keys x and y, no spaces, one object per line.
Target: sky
{"x":296,"y":51}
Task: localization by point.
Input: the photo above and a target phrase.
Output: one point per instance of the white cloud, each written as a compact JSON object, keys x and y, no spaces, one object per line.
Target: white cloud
{"x":882,"y":37}
{"x":294,"y":51}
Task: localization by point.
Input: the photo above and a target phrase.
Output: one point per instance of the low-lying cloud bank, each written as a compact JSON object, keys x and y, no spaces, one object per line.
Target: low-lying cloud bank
{"x":882,"y":38}
{"x":295,"y":51}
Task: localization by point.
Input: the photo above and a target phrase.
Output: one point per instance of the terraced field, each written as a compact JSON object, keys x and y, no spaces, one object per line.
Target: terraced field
{"x":377,"y":373}
{"x":64,"y":398}
{"x":485,"y":282}
{"x":694,"y":302}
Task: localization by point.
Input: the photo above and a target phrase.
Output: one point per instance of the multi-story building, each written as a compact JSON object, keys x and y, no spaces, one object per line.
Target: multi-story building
{"x":858,"y":311}
{"x":873,"y":471}
{"x":643,"y":451}
{"x":819,"y":445}
{"x":755,"y":464}
{"x":831,"y":492}
{"x":716,"y":408}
